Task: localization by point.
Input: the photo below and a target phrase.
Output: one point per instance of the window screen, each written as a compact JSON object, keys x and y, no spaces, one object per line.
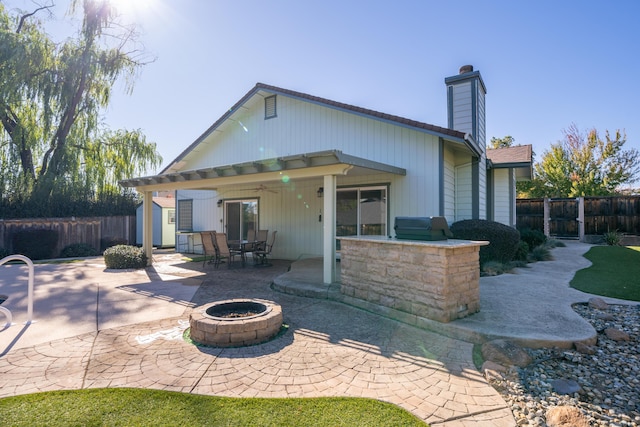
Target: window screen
{"x":270,"y":107}
{"x":185,"y":215}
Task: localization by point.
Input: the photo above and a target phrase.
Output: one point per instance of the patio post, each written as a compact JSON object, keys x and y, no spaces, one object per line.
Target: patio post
{"x":147,"y":225}
{"x":329,"y":230}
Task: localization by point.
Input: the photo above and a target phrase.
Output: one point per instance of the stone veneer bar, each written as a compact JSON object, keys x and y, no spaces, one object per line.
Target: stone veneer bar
{"x":437,"y":280}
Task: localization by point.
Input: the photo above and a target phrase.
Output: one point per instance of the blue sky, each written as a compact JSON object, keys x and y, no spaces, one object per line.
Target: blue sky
{"x":546,"y":64}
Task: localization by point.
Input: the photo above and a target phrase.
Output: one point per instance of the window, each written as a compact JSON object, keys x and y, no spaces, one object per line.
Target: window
{"x":361,"y":212}
{"x":270,"y":107}
{"x":171,"y":214}
{"x":240,"y":217}
{"x":185,"y":215}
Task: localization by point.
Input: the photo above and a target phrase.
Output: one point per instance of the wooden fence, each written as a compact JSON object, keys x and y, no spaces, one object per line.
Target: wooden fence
{"x":94,"y":231}
{"x":580,"y":217}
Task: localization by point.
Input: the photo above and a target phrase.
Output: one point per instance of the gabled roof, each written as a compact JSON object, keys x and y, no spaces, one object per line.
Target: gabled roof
{"x":518,"y":154}
{"x":519,"y":157}
{"x":165,"y":202}
{"x":432,"y":129}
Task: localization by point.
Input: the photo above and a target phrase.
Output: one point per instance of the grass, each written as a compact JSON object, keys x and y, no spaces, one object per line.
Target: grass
{"x":140,"y":407}
{"x":614,"y":273}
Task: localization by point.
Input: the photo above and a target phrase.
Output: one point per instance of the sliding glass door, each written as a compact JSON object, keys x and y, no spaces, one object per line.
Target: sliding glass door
{"x":240,"y":216}
{"x":361,"y":212}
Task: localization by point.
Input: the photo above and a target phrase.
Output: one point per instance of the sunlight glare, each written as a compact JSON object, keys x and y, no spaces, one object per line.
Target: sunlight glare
{"x":132,"y":8}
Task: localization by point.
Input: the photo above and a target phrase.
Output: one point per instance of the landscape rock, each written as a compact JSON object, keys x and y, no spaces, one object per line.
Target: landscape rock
{"x":505,"y":353}
{"x":583,"y":348}
{"x":616,"y":334}
{"x":563,"y":386}
{"x":492,"y":370}
{"x":566,"y":416}
{"x":609,"y":379}
{"x":604,"y":316}
{"x":598,"y":303}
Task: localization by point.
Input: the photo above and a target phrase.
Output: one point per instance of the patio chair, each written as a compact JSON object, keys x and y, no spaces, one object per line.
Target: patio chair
{"x":250,"y":245}
{"x":261,"y":239}
{"x":260,"y":255}
{"x":209,"y":247}
{"x":224,"y":252}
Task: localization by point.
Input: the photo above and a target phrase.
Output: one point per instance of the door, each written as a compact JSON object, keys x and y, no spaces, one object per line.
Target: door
{"x":361,"y":212}
{"x":563,"y":218}
{"x":240,"y":216}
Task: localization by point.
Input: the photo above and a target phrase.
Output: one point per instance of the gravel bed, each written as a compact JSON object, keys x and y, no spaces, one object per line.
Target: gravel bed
{"x":609,"y":379}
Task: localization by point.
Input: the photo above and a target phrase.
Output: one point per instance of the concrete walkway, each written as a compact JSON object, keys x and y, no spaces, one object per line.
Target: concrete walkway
{"x":99,"y":328}
{"x":531,"y":306}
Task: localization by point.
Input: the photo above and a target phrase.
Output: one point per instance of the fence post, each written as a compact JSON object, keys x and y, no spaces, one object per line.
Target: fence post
{"x":547,"y":231}
{"x":580,"y":219}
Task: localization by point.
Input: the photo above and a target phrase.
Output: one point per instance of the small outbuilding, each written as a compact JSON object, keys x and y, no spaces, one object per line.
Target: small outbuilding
{"x":164,"y":222}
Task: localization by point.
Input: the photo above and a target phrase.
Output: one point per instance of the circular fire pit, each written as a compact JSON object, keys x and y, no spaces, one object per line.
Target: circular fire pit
{"x":236,"y":322}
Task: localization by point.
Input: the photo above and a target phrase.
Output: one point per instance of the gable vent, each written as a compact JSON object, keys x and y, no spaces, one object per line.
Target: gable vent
{"x":270,"y":107}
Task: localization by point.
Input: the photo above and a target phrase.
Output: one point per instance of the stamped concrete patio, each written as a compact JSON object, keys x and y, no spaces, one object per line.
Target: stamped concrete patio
{"x":99,"y":328}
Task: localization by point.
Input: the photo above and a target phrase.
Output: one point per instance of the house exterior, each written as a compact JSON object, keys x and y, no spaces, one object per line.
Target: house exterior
{"x":313,"y":169}
{"x":164,"y":222}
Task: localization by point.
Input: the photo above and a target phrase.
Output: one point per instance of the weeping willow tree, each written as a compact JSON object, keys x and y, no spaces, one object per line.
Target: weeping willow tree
{"x":52,"y":100}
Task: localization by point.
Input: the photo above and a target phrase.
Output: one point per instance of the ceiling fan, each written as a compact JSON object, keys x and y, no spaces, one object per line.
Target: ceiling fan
{"x":260,"y":188}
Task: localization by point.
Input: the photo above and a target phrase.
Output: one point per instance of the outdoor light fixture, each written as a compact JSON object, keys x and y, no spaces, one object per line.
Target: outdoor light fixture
{"x":320,"y":191}
{"x":220,"y":201}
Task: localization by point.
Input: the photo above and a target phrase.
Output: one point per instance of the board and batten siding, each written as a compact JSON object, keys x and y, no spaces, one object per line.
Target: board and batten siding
{"x":501,"y":196}
{"x":463,"y":192}
{"x":482,"y":178}
{"x":304,"y":127}
{"x":462,"y":108}
{"x":449,"y":186}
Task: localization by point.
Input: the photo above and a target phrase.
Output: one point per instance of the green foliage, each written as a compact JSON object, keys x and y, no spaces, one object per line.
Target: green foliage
{"x":35,"y":244}
{"x":584,"y":165}
{"x":612,"y":238}
{"x":533,"y":238}
{"x":522,"y":252}
{"x":540,"y":253}
{"x":505,"y":142}
{"x":554,"y":243}
{"x":503,"y":240}
{"x":125,"y":256}
{"x":52,"y":142}
{"x":614,"y":272}
{"x":77,"y":250}
{"x":4,"y":253}
{"x":141,"y":407}
{"x":494,"y":268}
{"x":73,"y":204}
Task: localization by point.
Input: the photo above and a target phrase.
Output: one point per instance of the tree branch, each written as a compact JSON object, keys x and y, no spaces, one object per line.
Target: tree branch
{"x":28,"y":15}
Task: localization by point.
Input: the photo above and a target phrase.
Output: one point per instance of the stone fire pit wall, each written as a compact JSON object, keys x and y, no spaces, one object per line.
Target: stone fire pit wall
{"x":437,"y":280}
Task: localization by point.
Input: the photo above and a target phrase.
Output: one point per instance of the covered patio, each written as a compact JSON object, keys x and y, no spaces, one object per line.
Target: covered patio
{"x":324,"y":168}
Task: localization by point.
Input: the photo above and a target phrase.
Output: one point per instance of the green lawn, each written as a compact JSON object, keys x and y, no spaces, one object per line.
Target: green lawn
{"x":139,"y":407}
{"x":615,"y":272}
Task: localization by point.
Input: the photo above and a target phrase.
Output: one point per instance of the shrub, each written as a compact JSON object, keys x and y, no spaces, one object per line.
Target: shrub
{"x":35,"y":244}
{"x":494,"y":268}
{"x":125,"y":256}
{"x":4,"y":253}
{"x":540,"y":253}
{"x":107,"y":242}
{"x":503,"y":240}
{"x":76,"y":250}
{"x":554,"y":243}
{"x":532,"y":237}
{"x":612,"y":238}
{"x":522,"y":251}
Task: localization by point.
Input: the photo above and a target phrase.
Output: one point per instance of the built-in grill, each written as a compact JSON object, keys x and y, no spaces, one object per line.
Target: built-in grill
{"x":422,"y":228}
